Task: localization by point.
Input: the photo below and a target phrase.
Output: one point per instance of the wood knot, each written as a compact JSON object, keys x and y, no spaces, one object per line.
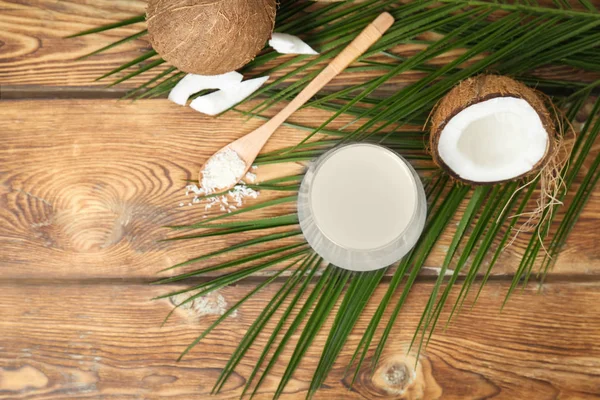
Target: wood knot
{"x":397,"y":376}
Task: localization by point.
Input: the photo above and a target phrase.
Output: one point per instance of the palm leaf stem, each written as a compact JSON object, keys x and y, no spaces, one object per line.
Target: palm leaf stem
{"x":137,"y":60}
{"x":139,"y":71}
{"x":128,"y":21}
{"x":229,"y":264}
{"x":115,"y":44}
{"x":252,"y":242}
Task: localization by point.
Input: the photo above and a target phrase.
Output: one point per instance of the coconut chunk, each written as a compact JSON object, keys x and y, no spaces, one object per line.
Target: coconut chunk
{"x":493,"y":140}
{"x":290,"y":44}
{"x":192,"y":83}
{"x":221,"y":100}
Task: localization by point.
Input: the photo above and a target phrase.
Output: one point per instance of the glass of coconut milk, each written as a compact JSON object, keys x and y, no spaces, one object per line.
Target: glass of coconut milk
{"x":361,"y":206}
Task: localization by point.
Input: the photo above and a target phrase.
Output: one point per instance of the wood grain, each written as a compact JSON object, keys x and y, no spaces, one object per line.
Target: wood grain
{"x":87,"y":185}
{"x":35,"y":54}
{"x":34,"y":51}
{"x":62,"y":341}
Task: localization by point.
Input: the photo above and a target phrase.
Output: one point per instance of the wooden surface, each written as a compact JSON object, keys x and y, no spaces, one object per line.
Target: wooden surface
{"x":85,"y":188}
{"x":95,"y":340}
{"x":34,"y":54}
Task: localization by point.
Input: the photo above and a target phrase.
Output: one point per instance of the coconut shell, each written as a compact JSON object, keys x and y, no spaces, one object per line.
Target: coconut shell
{"x":477,"y":89}
{"x":209,"y":37}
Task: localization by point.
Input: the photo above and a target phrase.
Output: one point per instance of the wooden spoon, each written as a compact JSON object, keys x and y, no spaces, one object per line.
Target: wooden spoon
{"x":249,"y":146}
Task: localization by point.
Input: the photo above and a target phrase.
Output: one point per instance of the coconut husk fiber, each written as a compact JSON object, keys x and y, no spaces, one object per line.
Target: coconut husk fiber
{"x":480,"y":88}
{"x":209,"y":37}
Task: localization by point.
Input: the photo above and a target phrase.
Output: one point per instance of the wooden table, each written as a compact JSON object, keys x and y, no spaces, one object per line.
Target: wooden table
{"x":87,"y":183}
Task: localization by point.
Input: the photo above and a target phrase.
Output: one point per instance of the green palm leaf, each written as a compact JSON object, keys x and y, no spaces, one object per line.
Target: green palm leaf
{"x":360,"y":289}
{"x":125,"y":22}
{"x":508,"y":38}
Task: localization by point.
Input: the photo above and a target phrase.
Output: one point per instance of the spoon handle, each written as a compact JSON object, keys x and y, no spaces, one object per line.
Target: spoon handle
{"x":248,"y":146}
{"x":356,"y":48}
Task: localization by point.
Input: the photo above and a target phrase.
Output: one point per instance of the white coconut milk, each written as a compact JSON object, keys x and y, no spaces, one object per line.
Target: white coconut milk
{"x":363,"y":197}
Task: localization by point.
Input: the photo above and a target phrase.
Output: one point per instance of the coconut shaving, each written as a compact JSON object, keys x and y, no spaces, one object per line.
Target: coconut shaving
{"x":223,"y":171}
{"x":228,"y":202}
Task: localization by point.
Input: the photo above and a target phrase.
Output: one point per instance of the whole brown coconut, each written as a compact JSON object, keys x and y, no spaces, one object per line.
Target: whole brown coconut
{"x":476,"y":90}
{"x":209,"y":37}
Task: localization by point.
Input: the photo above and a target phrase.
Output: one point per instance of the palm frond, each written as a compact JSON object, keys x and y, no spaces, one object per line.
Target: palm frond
{"x":563,"y":12}
{"x":329,"y":297}
{"x":230,"y":264}
{"x":509,"y":38}
{"x":115,"y":44}
{"x":120,"y":24}
{"x":360,"y":290}
{"x":428,"y":319}
{"x":326,"y":279}
{"x":304,"y":275}
{"x":137,"y":60}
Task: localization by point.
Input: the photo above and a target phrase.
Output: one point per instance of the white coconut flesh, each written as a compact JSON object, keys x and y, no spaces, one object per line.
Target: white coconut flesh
{"x":192,"y":83}
{"x":493,"y":140}
{"x":289,"y":44}
{"x":216,"y":102}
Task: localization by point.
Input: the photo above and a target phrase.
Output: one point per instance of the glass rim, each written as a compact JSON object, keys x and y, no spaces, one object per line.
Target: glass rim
{"x":352,"y":258}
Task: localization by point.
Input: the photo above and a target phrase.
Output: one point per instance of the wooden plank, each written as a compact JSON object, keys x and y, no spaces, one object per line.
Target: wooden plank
{"x":38,"y":54}
{"x":63,"y":341}
{"x":88,"y":185}
{"x":35,"y":52}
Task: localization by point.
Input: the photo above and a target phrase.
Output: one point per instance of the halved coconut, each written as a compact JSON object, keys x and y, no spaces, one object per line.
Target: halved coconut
{"x":491,"y":129}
